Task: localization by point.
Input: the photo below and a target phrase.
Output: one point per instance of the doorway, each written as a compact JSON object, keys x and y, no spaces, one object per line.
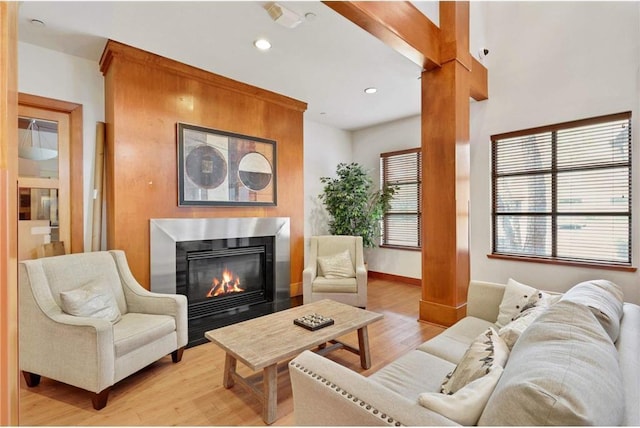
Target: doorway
{"x":50,"y":214}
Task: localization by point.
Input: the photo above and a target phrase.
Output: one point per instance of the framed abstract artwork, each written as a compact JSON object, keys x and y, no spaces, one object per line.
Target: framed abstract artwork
{"x":222,"y":168}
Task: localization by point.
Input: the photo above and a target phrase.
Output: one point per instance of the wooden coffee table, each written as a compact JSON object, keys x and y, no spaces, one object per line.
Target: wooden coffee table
{"x":261,"y":343}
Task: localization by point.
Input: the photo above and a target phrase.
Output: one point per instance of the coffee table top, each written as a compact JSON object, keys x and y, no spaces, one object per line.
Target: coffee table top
{"x":266,"y":340}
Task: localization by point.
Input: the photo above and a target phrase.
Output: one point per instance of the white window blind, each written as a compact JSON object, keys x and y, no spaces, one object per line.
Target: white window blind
{"x":564,"y":191}
{"x":402,"y":222}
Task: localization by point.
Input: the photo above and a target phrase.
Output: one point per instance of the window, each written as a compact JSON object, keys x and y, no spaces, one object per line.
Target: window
{"x":401,"y":225}
{"x":563,"y":192}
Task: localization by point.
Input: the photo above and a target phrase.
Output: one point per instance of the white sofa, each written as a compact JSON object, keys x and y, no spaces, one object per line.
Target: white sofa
{"x":556,"y":374}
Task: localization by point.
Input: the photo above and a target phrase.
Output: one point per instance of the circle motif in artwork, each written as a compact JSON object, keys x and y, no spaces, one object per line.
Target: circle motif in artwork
{"x":255,"y":171}
{"x":206,"y":167}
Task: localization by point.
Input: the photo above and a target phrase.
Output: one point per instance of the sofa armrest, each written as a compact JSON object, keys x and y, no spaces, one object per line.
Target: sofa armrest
{"x":308,"y":275}
{"x":54,"y":344}
{"x":328,"y":394}
{"x":141,"y":300}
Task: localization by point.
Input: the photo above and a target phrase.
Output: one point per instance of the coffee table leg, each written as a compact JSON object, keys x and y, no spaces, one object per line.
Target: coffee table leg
{"x":229,"y":369}
{"x":363,"y":342}
{"x":270,"y":394}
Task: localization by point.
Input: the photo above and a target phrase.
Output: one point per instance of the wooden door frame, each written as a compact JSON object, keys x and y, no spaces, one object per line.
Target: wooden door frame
{"x":9,"y":382}
{"x":76,"y":198}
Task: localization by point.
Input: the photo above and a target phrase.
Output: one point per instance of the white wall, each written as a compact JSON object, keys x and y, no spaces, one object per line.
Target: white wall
{"x":368,"y":143}
{"x":324,"y":148}
{"x":56,"y":75}
{"x":552,"y":62}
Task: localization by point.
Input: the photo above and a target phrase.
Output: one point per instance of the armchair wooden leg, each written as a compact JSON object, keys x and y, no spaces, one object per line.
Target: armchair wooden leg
{"x":99,"y":399}
{"x":176,"y":356}
{"x":32,"y":379}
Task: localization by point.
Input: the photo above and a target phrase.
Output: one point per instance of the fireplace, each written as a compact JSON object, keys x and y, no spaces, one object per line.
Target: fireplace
{"x":230,"y":269}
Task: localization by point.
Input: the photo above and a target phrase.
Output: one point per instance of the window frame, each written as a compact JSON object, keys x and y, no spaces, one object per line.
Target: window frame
{"x":383,"y":182}
{"x":554,"y":213}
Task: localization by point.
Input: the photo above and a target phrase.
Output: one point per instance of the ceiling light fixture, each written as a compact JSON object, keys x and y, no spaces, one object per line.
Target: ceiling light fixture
{"x":370,"y":90}
{"x":283,"y":16}
{"x":262,"y":44}
{"x":31,"y":147}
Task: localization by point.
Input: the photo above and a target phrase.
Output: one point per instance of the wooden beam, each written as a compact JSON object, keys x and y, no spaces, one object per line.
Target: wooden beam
{"x":479,"y":81}
{"x":450,"y":76}
{"x":399,"y":24}
{"x":9,"y":382}
{"x":445,"y":178}
{"x":446,"y":172}
{"x":454,"y":25}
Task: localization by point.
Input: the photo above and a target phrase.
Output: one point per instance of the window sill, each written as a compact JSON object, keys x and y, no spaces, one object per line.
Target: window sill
{"x":591,"y":265}
{"x":399,"y":247}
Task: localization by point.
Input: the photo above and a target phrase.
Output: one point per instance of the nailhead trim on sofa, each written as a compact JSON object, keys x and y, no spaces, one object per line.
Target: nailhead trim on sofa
{"x":383,"y":416}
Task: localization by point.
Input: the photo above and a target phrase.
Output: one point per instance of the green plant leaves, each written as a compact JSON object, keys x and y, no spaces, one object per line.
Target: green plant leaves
{"x":355,"y":208}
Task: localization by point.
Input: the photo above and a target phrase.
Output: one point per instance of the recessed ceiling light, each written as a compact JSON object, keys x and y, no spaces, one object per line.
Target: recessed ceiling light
{"x":371,"y":90}
{"x":262,"y":44}
{"x":37,"y":22}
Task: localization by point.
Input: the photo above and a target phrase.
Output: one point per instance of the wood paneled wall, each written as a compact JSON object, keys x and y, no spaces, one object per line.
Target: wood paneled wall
{"x":145,"y":96}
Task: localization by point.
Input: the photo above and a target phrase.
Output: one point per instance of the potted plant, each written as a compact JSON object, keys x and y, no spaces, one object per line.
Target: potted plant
{"x":354,"y":206}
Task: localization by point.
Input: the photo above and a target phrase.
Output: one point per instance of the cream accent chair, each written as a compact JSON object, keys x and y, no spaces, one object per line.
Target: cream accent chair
{"x":352,"y":291}
{"x":91,"y":353}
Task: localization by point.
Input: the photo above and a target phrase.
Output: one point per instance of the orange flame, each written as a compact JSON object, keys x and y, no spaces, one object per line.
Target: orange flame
{"x":230,"y":283}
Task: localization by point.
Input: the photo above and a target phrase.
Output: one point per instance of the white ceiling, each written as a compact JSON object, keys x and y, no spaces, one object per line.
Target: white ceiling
{"x":326,"y":61}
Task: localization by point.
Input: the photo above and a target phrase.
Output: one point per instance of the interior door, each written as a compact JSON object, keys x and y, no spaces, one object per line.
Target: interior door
{"x":43,"y":180}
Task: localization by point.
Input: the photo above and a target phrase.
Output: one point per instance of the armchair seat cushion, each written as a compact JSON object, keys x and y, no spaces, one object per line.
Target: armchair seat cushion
{"x":334,"y":285}
{"x":136,"y":330}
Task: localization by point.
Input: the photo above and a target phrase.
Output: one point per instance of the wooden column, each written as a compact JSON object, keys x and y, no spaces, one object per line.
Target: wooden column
{"x":451,"y":75}
{"x":8,"y":215}
{"x":445,"y":150}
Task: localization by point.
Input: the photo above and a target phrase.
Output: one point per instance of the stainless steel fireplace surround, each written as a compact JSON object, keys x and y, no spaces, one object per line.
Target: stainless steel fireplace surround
{"x":167,"y":231}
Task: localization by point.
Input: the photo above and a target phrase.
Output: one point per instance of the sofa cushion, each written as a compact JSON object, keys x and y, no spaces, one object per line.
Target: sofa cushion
{"x":466,"y":405}
{"x":452,"y":343}
{"x":337,"y":265}
{"x":487,"y":350}
{"x":340,"y":285}
{"x":93,"y":300}
{"x":604,"y":298}
{"x":519,"y":297}
{"x":551,"y":379}
{"x":136,"y":330}
{"x":413,"y":373}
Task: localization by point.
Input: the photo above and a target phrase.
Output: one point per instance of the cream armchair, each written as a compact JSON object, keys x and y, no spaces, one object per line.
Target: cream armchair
{"x":343,"y":283}
{"x":88,"y":352}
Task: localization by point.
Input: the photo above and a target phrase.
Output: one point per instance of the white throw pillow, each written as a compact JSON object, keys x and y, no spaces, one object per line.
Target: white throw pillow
{"x":93,"y":300}
{"x":512,"y":331}
{"x":337,"y":265}
{"x":518,"y":298}
{"x":466,"y":405}
{"x":486,"y":351}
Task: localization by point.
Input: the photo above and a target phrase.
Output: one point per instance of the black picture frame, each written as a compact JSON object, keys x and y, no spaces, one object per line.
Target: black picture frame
{"x":222,"y":168}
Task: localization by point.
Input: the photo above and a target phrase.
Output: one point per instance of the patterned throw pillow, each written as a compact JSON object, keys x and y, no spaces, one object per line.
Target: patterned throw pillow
{"x":511,"y":332}
{"x":486,"y":350}
{"x":337,"y":265}
{"x":518,"y":298}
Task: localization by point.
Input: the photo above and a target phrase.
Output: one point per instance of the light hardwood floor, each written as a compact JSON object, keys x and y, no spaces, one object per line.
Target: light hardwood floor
{"x":190,"y":393}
